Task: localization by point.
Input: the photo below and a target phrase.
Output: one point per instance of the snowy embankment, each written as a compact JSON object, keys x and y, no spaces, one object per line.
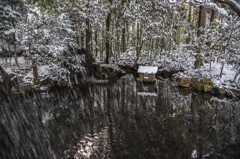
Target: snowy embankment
{"x":226,"y":81}
{"x":181,"y":63}
{"x":25,"y":71}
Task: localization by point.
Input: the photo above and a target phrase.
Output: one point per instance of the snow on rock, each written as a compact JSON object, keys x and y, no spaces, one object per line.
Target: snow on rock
{"x":148,"y":69}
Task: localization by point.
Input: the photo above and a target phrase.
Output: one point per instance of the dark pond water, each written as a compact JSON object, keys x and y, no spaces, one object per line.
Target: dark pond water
{"x":124,"y":119}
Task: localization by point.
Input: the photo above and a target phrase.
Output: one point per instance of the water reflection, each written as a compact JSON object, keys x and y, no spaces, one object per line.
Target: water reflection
{"x":123,"y":119}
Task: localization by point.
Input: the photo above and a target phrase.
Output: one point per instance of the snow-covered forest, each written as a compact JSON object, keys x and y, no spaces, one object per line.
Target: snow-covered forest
{"x":119,"y":79}
{"x":42,"y":40}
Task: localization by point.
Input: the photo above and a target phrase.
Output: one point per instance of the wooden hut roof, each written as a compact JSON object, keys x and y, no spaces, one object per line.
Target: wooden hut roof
{"x":148,"y":69}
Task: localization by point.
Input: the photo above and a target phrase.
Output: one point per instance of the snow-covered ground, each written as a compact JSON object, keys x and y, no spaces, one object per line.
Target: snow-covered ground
{"x":183,"y":61}
{"x":179,"y":60}
{"x":226,"y":81}
{"x":25,"y":69}
{"x":43,"y":71}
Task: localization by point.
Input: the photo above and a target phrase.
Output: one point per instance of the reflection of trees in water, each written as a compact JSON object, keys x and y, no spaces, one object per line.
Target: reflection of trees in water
{"x":115,"y":121}
{"x":167,"y":126}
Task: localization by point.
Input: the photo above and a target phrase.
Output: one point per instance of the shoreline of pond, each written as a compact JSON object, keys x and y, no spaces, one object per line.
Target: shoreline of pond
{"x":102,"y":74}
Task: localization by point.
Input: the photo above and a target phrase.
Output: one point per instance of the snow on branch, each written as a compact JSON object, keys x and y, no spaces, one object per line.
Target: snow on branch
{"x":234,"y":4}
{"x":215,"y":7}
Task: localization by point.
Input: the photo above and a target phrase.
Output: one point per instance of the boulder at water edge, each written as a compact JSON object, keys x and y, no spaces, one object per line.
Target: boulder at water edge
{"x":185,"y":82}
{"x":204,"y":85}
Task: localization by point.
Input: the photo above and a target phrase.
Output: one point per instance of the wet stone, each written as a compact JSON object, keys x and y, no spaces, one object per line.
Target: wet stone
{"x":185,"y":82}
{"x":222,"y":91}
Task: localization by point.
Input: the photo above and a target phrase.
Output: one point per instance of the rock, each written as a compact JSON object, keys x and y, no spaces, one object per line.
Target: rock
{"x":204,"y":85}
{"x":185,"y":82}
{"x":207,"y":84}
{"x":222,"y":91}
{"x":197,"y":85}
{"x":14,"y":90}
{"x":207,"y":88}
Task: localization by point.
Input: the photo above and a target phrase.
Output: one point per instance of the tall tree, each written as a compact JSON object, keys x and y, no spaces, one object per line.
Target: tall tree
{"x":108,"y":22}
{"x":188,"y":40}
{"x":88,"y":31}
{"x":214,"y":14}
{"x":201,"y":21}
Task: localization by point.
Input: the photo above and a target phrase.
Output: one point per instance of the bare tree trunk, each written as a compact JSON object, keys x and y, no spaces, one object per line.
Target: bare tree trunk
{"x":117,"y":47}
{"x":138,"y":55}
{"x":91,"y":39}
{"x":89,"y":56}
{"x":96,"y":41}
{"x":213,"y":17}
{"x":188,"y":40}
{"x":102,"y":46}
{"x":14,"y":39}
{"x":201,"y":21}
{"x":214,"y":14}
{"x":138,"y":39}
{"x":9,"y":54}
{"x":88,"y":36}
{"x":82,"y":40}
{"x":201,"y":26}
{"x":108,"y":21}
{"x":15,"y":54}
{"x":123,"y":39}
{"x":221,"y":70}
{"x":127,"y":30}
{"x":112,"y":42}
{"x":35,"y":74}
{"x":211,"y":60}
{"x":133,"y":35}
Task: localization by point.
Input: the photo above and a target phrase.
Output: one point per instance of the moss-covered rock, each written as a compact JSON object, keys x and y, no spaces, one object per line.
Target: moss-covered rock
{"x":185,"y":82}
{"x":204,"y":85}
{"x":197,"y":85}
{"x":207,"y":88}
{"x":222,"y":91}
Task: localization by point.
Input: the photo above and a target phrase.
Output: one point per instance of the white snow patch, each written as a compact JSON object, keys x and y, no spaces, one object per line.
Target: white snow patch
{"x":10,"y":31}
{"x":43,"y":73}
{"x":43,"y":70}
{"x":194,"y":154}
{"x":148,"y":69}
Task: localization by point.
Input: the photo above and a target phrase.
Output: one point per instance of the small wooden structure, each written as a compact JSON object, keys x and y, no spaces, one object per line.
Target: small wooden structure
{"x":147,"y":73}
{"x":146,"y":89}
